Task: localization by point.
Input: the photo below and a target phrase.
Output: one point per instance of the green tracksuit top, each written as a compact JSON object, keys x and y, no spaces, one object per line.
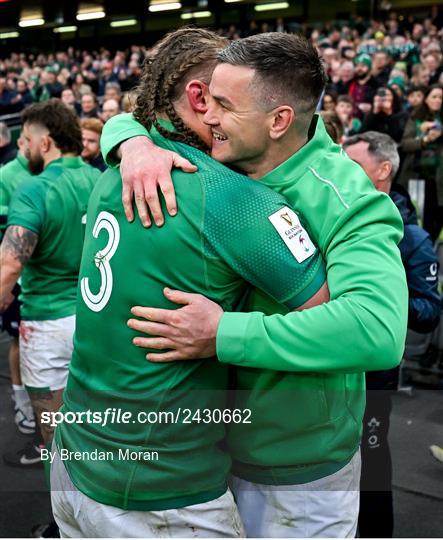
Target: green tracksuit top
{"x":11,"y":175}
{"x":53,"y":205}
{"x":302,"y":373}
{"x":222,"y":238}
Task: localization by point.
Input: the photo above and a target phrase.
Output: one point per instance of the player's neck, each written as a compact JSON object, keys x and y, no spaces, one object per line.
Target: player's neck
{"x":54,"y":154}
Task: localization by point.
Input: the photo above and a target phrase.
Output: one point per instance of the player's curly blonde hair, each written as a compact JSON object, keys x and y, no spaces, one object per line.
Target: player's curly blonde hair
{"x":179,"y":57}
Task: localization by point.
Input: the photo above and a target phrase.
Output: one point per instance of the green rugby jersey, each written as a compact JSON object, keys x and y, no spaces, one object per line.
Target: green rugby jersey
{"x":362,"y":328}
{"x":11,"y":175}
{"x":221,"y":237}
{"x":53,"y":205}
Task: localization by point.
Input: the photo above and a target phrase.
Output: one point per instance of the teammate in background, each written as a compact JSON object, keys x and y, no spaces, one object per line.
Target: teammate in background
{"x":11,"y":175}
{"x":43,"y":243}
{"x":202,"y":249}
{"x":8,"y":150}
{"x":300,"y":477}
{"x":91,"y":131}
{"x":378,"y":156}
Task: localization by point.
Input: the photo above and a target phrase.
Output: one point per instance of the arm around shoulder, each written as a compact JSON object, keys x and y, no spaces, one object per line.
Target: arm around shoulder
{"x":362,"y":328}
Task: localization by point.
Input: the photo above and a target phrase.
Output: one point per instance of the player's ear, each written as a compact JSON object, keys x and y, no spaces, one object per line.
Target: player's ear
{"x":197,"y":94}
{"x":45,"y":143}
{"x":282,"y":119}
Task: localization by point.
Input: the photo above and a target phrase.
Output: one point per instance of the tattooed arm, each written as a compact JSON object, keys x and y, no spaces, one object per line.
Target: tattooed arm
{"x":17,"y":246}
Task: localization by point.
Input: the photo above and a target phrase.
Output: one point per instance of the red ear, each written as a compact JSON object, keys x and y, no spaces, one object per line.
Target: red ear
{"x":196,"y":92}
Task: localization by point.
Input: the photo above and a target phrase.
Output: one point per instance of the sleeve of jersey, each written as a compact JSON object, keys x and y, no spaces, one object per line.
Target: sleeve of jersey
{"x":26,"y":208}
{"x":243,"y":234}
{"x":362,"y":328}
{"x":118,"y":129}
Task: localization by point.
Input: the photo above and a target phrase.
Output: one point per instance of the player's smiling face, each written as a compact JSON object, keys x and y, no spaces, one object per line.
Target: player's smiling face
{"x":240,"y":133}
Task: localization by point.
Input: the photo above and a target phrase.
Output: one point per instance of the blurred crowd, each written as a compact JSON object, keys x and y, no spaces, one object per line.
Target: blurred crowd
{"x":385,"y":75}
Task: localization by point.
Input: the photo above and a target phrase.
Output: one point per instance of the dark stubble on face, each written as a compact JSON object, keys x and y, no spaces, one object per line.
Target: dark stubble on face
{"x":36,"y":164}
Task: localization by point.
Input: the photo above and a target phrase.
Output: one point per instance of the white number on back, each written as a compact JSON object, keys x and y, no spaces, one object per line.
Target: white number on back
{"x":96,"y":302}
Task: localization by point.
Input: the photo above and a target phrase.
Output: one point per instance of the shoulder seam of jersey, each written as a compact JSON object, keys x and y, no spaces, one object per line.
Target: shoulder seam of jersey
{"x":332,"y":185}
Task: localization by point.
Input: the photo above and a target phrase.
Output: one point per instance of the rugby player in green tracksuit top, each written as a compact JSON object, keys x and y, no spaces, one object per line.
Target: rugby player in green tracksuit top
{"x":329,"y":347}
{"x":11,"y":175}
{"x":202,"y":249}
{"x":43,"y":242}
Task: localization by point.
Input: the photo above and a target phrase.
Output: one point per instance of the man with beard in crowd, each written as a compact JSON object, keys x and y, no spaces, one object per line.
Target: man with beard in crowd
{"x":363,"y":86}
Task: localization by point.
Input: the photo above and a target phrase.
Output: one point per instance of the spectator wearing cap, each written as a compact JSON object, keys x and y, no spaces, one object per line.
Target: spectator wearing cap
{"x":91,"y":132}
{"x":397,"y":85}
{"x":89,"y":106}
{"x":363,"y":86}
{"x":387,"y":115}
{"x":422,"y":147}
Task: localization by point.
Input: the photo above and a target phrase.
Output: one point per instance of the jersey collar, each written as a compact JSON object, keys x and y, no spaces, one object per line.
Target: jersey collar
{"x":294,"y":167}
{"x":71,"y":162}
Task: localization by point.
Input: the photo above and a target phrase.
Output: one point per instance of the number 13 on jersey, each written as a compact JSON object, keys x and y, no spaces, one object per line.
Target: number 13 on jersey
{"x":96,"y":302}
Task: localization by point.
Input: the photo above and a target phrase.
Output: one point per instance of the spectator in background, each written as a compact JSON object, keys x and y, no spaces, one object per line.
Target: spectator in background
{"x":79,"y":86}
{"x":23,"y":96}
{"x":381,"y":67}
{"x":333,"y":126}
{"x":420,"y":75}
{"x":89,"y":106}
{"x":397,"y":85}
{"x":415,"y":98}
{"x":329,"y":100}
{"x":108,"y":75}
{"x":91,"y":132}
{"x":378,"y":156}
{"x":344,"y":110}
{"x":68,"y":98}
{"x":345,"y":76}
{"x":112,"y":91}
{"x":133,"y":75}
{"x":6,"y":96}
{"x":363,"y":87}
{"x":110,"y":108}
{"x":422,"y":147}
{"x":432,"y":62}
{"x":8,"y":151}
{"x":386,"y":115}
{"x":48,"y":86}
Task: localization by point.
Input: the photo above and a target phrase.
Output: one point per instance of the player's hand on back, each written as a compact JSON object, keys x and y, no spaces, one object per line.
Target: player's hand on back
{"x":146,"y":169}
{"x":189,"y":332}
